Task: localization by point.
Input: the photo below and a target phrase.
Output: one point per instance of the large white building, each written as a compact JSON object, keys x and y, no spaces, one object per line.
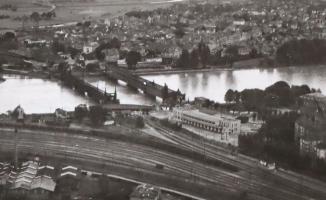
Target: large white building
{"x":221,"y":124}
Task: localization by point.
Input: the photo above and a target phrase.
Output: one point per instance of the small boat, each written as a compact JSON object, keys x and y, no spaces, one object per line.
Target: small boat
{"x":2,"y":79}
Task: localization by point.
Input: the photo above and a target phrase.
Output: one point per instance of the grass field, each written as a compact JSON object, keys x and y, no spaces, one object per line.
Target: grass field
{"x":74,"y":10}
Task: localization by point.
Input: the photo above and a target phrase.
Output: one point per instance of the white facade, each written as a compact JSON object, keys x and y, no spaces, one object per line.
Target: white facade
{"x":89,"y":48}
{"x":321,"y":153}
{"x":219,"y":124}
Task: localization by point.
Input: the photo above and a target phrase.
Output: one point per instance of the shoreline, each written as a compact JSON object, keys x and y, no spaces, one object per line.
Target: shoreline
{"x":177,"y":71}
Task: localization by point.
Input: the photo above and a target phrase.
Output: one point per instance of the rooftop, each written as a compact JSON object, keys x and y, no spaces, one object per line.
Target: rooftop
{"x":201,"y":115}
{"x":146,"y":191}
{"x":316,"y":95}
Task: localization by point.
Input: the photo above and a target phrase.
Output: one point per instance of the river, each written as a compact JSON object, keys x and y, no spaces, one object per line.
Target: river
{"x":41,"y":96}
{"x":36,"y":95}
{"x":214,"y":85}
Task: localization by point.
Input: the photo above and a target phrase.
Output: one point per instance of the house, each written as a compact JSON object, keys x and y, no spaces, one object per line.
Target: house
{"x":35,"y":43}
{"x":90,"y":47}
{"x":240,"y":22}
{"x":201,"y":101}
{"x":244,"y":50}
{"x":321,"y":150}
{"x":61,"y":114}
{"x":146,"y":192}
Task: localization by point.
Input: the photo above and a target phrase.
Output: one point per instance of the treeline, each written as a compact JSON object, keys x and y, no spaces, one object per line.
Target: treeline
{"x":8,"y":41}
{"x":302,"y":52}
{"x":8,"y":7}
{"x":280,"y":94}
{"x":275,"y":143}
{"x":201,"y":56}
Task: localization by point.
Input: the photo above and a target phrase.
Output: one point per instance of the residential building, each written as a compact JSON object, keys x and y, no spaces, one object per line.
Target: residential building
{"x":310,"y":128}
{"x":61,"y":114}
{"x":89,"y":48}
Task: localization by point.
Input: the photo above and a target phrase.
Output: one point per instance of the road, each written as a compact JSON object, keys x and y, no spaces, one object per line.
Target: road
{"x":134,"y":157}
{"x":251,"y":172}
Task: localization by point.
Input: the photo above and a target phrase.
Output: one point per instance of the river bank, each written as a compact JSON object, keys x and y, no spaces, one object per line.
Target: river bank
{"x":144,"y":72}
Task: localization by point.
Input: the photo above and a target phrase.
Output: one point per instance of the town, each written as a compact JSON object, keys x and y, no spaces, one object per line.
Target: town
{"x":86,"y":113}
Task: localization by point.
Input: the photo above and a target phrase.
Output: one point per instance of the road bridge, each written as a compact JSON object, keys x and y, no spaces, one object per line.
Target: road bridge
{"x":148,"y":87}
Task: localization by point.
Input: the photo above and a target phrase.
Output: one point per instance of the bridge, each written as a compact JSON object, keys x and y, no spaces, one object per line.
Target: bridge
{"x":148,"y":87}
{"x":86,"y":89}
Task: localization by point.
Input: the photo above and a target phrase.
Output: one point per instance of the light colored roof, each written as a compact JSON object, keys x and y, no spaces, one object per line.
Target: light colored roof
{"x":46,"y":167}
{"x":43,"y":182}
{"x":68,"y":173}
{"x":146,"y":191}
{"x":316,"y":95}
{"x":208,"y":117}
{"x":70,"y":167}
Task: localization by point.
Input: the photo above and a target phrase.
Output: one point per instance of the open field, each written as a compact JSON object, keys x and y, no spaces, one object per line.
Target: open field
{"x":75,"y":10}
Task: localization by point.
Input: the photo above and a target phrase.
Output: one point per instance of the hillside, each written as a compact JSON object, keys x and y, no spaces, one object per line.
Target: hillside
{"x":72,"y":10}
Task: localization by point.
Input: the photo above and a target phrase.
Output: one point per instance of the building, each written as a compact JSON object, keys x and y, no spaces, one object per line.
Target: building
{"x":19,"y":113}
{"x":29,"y":180}
{"x":310,"y":128}
{"x":61,"y":114}
{"x":224,"y":125}
{"x":35,"y":43}
{"x":68,"y":178}
{"x":5,"y":169}
{"x":90,"y":48}
{"x":201,"y":101}
{"x":146,"y":192}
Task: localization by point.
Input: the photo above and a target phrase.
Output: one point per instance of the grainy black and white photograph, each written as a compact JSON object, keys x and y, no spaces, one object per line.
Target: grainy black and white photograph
{"x":162,"y":99}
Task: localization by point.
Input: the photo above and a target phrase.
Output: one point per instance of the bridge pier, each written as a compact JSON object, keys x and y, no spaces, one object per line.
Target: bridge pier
{"x":132,"y":87}
{"x":149,"y":95}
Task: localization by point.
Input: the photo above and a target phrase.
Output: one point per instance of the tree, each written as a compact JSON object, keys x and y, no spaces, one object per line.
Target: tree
{"x":204,"y":53}
{"x":58,"y":46}
{"x":179,"y":32}
{"x":229,"y":96}
{"x":97,"y":115}
{"x":132,"y":58}
{"x":140,"y":122}
{"x":80,"y":113}
{"x":91,"y":67}
{"x":184,"y":60}
{"x":283,"y":91}
{"x":9,"y":36}
{"x":35,"y":16}
{"x":194,"y":58}
{"x":115,"y":43}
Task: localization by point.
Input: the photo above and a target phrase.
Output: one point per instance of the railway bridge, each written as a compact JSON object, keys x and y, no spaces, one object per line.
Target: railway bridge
{"x":86,"y":89}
